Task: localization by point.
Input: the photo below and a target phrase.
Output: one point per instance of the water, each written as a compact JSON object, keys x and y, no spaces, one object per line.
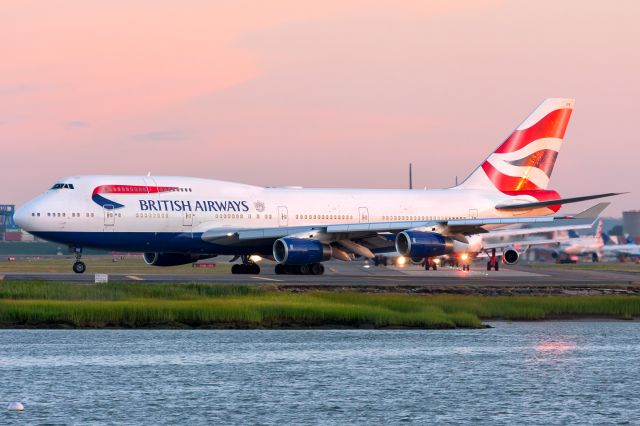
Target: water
{"x":542,"y":373}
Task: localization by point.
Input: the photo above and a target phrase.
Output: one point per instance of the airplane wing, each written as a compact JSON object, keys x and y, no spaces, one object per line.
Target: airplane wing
{"x":455,"y":226}
{"x":380,"y":235}
{"x":582,"y":220}
{"x":625,"y":250}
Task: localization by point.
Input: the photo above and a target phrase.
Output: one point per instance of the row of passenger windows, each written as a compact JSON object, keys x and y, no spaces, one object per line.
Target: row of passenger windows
{"x":152,"y":215}
{"x":325,"y":216}
{"x":217,"y":216}
{"x":401,"y":218}
{"x":63,"y":214}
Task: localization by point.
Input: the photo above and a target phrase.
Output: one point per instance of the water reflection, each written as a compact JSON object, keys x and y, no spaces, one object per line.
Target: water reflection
{"x":532,"y":373}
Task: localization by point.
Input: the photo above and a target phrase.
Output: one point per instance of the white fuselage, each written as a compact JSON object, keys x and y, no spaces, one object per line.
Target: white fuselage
{"x":89,"y":208}
{"x":582,"y":246}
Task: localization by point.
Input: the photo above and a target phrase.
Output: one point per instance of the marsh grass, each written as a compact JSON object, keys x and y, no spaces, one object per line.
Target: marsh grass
{"x":41,"y":304}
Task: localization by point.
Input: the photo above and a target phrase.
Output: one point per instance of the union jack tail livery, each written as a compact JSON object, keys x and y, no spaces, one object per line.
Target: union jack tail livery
{"x":523,"y":163}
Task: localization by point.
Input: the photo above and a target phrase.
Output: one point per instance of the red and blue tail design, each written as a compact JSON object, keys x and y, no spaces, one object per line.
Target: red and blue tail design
{"x":523,"y":163}
{"x":124,"y":189}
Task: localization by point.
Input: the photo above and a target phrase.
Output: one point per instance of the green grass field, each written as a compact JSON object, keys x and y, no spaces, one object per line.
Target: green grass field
{"x":40,"y":304}
{"x":107,"y":265}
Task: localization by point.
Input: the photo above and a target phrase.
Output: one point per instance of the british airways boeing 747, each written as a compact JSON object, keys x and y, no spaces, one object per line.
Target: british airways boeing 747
{"x":179,"y":220}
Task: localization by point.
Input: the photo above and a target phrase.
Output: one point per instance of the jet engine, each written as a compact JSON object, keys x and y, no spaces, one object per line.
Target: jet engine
{"x":418,"y":244}
{"x":510,"y":256}
{"x":171,"y":259}
{"x":300,"y":251}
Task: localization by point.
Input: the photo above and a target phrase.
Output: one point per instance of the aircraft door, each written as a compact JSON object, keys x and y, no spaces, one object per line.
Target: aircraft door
{"x":364,"y":214}
{"x":109,"y":217}
{"x":283,"y":216}
{"x":187,"y":219}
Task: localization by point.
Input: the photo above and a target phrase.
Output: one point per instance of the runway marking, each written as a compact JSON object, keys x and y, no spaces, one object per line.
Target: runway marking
{"x":268,"y":279}
{"x":334,"y":270}
{"x":134,"y":278}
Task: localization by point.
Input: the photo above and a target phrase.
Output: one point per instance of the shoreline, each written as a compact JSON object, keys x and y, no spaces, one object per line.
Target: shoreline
{"x":40,"y":305}
{"x":300,"y":326}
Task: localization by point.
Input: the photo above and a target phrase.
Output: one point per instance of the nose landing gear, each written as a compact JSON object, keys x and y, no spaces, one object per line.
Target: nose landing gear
{"x":79,"y":267}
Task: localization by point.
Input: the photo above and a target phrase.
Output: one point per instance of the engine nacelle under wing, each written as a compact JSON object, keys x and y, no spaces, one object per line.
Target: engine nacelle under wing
{"x":300,"y":251}
{"x":510,"y":256}
{"x":426,"y":244}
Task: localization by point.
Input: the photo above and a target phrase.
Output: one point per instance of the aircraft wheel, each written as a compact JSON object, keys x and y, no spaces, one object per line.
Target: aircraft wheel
{"x":488,"y":265}
{"x":236,"y":269}
{"x":497,"y":267}
{"x":254,"y":269}
{"x":279,"y":269}
{"x":317,"y":269}
{"x":79,"y":267}
{"x":435,"y":267}
{"x":304,"y":269}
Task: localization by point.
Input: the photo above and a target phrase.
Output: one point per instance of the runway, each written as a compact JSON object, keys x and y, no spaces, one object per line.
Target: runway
{"x":340,"y":274}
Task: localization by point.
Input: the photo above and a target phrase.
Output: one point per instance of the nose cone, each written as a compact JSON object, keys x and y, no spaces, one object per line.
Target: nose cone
{"x":20,"y":217}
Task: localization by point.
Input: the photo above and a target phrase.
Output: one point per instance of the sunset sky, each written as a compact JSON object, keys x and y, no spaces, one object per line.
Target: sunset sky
{"x":323,"y":93}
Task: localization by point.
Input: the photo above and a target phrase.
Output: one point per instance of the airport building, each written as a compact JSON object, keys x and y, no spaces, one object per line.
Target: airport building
{"x":631,"y":224}
{"x":9,"y":231}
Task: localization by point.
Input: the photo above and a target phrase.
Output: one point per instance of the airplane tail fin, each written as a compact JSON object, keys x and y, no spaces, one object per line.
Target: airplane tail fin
{"x":524,"y":161}
{"x":629,"y":239}
{"x":606,"y":239}
{"x":599,"y":231}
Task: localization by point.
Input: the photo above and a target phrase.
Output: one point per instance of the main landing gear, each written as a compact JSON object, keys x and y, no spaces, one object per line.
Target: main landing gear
{"x":79,"y":267}
{"x":247,"y":266}
{"x":493,"y":261}
{"x":430,"y":264}
{"x":310,"y":269}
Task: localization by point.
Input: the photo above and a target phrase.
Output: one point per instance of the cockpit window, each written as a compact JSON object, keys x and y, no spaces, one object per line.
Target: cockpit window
{"x":62,"y":185}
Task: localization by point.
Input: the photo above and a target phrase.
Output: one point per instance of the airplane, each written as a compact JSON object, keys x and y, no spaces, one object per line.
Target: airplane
{"x":587,"y":245}
{"x":180,"y":220}
{"x":621,"y":251}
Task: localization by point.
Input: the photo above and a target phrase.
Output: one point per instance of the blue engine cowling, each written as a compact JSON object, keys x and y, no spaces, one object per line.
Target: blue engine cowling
{"x":171,"y":259}
{"x":423,"y":244}
{"x":300,"y":251}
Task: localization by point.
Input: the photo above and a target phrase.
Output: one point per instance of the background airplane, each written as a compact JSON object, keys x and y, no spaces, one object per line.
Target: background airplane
{"x":577,"y":246}
{"x":620,"y":251}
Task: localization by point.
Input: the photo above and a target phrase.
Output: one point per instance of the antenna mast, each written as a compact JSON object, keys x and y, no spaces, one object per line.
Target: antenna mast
{"x":410,"y":177}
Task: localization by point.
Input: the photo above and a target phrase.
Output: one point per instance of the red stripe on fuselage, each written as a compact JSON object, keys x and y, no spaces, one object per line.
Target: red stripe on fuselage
{"x":132,"y":189}
{"x":552,"y":125}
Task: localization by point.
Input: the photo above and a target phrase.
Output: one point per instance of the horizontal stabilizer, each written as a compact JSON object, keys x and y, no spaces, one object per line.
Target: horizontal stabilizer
{"x":592,"y":212}
{"x":540,"y":204}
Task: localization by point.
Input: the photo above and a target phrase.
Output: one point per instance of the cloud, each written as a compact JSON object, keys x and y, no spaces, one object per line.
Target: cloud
{"x":78,"y":124}
{"x":172,"y":135}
